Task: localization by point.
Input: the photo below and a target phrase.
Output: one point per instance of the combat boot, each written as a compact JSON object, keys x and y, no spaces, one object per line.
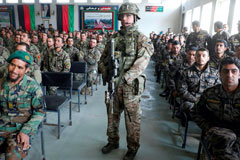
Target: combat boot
{"x":130,"y":155}
{"x":109,"y":147}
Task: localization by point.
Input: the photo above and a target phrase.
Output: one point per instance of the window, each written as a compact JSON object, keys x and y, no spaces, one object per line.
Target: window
{"x":45,"y":1}
{"x":116,"y":1}
{"x":155,"y":1}
{"x":236,"y":17}
{"x":11,"y":1}
{"x":206,"y":16}
{"x":221,"y":12}
{"x":188,"y":19}
{"x":135,"y":1}
{"x":196,"y":14}
{"x":27,"y":1}
{"x":98,"y":1}
{"x":63,"y":1}
{"x":1,"y":1}
{"x":80,"y":1}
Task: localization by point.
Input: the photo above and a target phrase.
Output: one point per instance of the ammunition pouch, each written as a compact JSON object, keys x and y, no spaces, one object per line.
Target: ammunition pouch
{"x":139,"y":84}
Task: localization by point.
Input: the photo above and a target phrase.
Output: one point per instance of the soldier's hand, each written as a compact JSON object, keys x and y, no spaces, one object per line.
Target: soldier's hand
{"x":23,"y":139}
{"x":115,"y":80}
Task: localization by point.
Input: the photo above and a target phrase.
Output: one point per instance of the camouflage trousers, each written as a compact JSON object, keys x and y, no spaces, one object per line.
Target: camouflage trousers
{"x":126,"y":100}
{"x":224,"y":144}
{"x":10,"y":147}
{"x":91,"y":78}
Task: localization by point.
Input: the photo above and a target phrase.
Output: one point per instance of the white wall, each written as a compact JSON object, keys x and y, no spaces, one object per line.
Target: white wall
{"x":158,"y":21}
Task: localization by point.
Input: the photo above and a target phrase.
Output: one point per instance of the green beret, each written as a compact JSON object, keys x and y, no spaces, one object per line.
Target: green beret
{"x":20,"y":55}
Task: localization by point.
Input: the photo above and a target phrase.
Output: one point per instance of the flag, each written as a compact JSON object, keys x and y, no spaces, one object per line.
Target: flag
{"x":26,"y":16}
{"x":65,"y":18}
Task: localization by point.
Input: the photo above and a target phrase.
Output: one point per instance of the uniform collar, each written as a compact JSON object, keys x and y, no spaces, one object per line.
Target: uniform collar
{"x":21,"y":85}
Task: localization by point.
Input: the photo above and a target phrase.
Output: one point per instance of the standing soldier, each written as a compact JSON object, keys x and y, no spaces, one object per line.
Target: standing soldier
{"x":234,"y":40}
{"x":199,"y":37}
{"x":135,"y":50}
{"x":100,"y":43}
{"x":83,"y":44}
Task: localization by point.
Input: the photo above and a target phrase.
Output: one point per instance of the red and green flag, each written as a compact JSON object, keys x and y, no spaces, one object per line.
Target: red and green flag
{"x":26,"y":15}
{"x":65,"y":18}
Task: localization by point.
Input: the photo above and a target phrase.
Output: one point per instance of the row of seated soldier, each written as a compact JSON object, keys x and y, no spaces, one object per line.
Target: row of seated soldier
{"x":200,"y":77}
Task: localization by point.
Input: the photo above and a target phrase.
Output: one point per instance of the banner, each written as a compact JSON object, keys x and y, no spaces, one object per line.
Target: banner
{"x":7,"y":16}
{"x":65,"y":18}
{"x":26,"y":16}
{"x":98,"y":17}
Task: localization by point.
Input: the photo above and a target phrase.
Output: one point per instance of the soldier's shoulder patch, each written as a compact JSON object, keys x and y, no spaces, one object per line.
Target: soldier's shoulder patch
{"x":39,"y":56}
{"x":67,"y":65}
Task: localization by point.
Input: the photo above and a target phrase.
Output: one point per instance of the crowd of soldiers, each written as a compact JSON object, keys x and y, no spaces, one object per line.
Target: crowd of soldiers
{"x":53,"y":51}
{"x":198,"y":69}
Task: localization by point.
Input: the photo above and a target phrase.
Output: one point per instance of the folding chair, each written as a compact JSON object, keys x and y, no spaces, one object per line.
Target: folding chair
{"x":55,"y":102}
{"x":79,"y":67}
{"x":203,"y":146}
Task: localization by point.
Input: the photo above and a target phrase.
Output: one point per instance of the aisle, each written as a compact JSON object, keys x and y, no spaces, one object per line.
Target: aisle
{"x":84,"y":140}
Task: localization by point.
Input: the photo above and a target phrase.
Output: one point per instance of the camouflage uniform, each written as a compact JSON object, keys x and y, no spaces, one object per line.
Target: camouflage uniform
{"x":215,"y":62}
{"x":176,"y":70}
{"x":72,"y":51}
{"x":57,"y":62}
{"x":234,"y":41}
{"x":9,"y":43}
{"x":101,"y":47}
{"x":4,"y":54}
{"x":216,"y":108}
{"x":76,"y":42}
{"x":136,"y":49}
{"x":82,"y":46}
{"x":34,"y":52}
{"x":22,"y":110}
{"x":200,"y":39}
{"x":92,"y":57}
{"x":194,"y":82}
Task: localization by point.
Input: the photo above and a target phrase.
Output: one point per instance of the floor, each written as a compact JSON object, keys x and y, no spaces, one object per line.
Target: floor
{"x":160,"y":136}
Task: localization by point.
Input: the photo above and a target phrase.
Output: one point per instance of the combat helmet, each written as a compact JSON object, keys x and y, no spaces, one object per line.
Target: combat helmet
{"x":127,"y":8}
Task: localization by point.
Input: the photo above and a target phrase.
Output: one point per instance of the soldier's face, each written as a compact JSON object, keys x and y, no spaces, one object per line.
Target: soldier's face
{"x":220,"y":49}
{"x":16,"y":70}
{"x":18,"y":39}
{"x":202,"y":57}
{"x":176,"y":49}
{"x":229,"y":75}
{"x":58,"y":43}
{"x":35,"y":39}
{"x":191,"y":56}
{"x":50,"y":42}
{"x":127,"y":19}
{"x":24,"y":38}
{"x":237,"y":52}
{"x":70,"y":42}
{"x":83,"y":37}
{"x":169,"y":45}
{"x":99,"y":38}
{"x":44,"y":36}
{"x":93,"y":43}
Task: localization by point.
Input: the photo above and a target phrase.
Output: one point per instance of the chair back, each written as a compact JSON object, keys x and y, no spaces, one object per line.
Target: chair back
{"x":78,"y":67}
{"x":57,"y":79}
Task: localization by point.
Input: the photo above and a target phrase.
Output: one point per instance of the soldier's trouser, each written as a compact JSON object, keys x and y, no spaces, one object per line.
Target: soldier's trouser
{"x":10,"y":147}
{"x":224,"y":144}
{"x":91,"y":77}
{"x":126,"y":100}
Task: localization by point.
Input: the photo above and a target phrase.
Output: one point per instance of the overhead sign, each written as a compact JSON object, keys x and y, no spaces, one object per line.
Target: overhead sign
{"x":154,"y":9}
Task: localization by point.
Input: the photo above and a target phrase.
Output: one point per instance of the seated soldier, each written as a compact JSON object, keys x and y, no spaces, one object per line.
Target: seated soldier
{"x":173,"y":56}
{"x":218,"y":114}
{"x":237,"y":52}
{"x":176,"y":70}
{"x":21,"y":107}
{"x":195,"y":79}
{"x":220,"y":53}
